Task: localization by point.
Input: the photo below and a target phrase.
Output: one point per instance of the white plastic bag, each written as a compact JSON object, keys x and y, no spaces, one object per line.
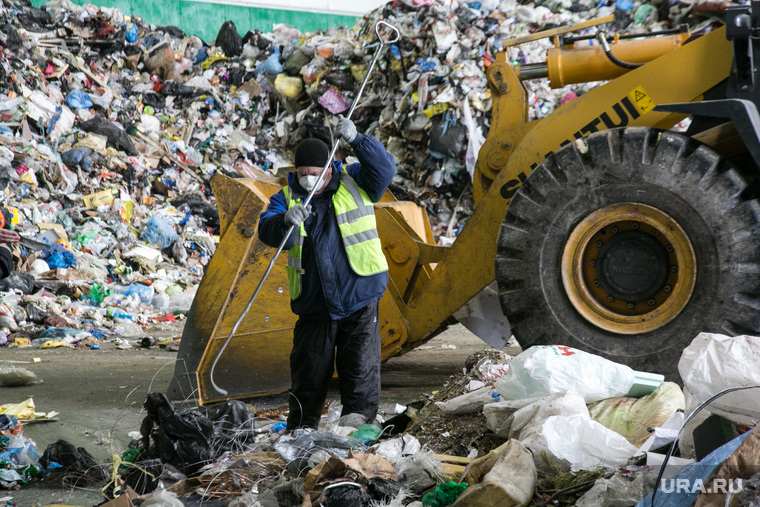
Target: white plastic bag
{"x":475,"y":138}
{"x":543,"y":370}
{"x":620,"y":490}
{"x":524,"y":418}
{"x":713,"y":362}
{"x":584,"y":443}
{"x":163,"y":498}
{"x":469,"y":402}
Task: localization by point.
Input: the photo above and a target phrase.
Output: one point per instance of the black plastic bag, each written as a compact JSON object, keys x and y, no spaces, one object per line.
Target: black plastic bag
{"x":154,"y":100}
{"x":116,"y":136}
{"x":341,"y":78}
{"x":233,"y":427}
{"x":32,"y":18}
{"x":188,"y":440}
{"x":35,"y":313}
{"x":181,"y":438}
{"x":21,"y":281}
{"x":201,"y":208}
{"x":383,"y":490}
{"x":229,"y":39}
{"x":143,"y":476}
{"x":180,"y":90}
{"x":234,"y":76}
{"x":448,"y":136}
{"x":347,"y":496}
{"x":175,"y":32}
{"x":78,"y":467}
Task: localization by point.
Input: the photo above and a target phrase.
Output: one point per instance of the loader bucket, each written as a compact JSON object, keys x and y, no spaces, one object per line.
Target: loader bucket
{"x":256,"y":360}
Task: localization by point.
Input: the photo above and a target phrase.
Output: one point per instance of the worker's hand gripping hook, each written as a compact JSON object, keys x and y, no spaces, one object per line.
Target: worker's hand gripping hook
{"x":383,"y":42}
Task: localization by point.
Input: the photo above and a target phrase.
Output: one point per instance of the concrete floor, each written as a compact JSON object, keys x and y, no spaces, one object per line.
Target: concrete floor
{"x":99,"y":395}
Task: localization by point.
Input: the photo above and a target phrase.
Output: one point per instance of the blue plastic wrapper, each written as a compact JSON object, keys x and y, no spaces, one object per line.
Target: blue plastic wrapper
{"x":271,"y":65}
{"x":159,"y":232}
{"x":94,"y":346}
{"x":276,"y":428}
{"x":59,"y":332}
{"x":78,"y":99}
{"x":117,"y":313}
{"x":424,"y":65}
{"x":145,"y":292}
{"x":624,"y":5}
{"x":201,"y":55}
{"x":58,"y":257}
{"x":131,"y":34}
{"x":680,"y":490}
{"x":81,"y":157}
{"x":54,"y":119}
{"x":8,"y":422}
{"x":97,"y":333}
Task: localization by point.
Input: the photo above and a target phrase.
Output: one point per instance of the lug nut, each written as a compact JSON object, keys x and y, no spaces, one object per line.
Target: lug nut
{"x":599,"y":243}
{"x":669,"y":248}
{"x":674,"y":269}
{"x":666,"y":288}
{"x":596,"y":283}
{"x":635,"y":226}
{"x":592,"y":263}
{"x":630,"y":306}
{"x":610,"y":299}
{"x":651,"y":302}
{"x":655,"y":232}
{"x":615,"y":230}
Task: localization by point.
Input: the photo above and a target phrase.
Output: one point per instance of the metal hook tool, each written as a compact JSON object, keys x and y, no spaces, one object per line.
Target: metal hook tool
{"x":383,"y":43}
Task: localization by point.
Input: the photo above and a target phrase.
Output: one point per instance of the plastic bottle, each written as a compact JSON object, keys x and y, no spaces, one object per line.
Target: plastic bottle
{"x":117,"y":313}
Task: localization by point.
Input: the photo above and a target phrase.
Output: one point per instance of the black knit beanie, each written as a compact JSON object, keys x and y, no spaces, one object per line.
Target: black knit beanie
{"x":311,"y":152}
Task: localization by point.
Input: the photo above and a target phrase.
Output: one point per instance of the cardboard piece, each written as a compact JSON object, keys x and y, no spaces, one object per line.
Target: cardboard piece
{"x":123,"y":500}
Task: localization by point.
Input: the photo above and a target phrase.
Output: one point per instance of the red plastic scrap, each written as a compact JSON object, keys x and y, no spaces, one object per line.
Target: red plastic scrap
{"x":333,"y":102}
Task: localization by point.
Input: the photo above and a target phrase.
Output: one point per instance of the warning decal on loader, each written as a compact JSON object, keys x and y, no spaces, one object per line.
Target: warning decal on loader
{"x":641,"y":100}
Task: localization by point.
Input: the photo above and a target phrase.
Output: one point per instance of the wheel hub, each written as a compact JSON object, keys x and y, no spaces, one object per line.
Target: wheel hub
{"x":632,"y":266}
{"x":628,"y":268}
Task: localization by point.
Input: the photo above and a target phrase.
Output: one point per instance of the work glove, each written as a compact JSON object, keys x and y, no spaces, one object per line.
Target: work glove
{"x":346,"y":129}
{"x":297,"y":214}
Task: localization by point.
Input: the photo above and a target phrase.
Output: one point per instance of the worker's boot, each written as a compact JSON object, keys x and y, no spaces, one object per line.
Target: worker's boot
{"x":352,"y":420}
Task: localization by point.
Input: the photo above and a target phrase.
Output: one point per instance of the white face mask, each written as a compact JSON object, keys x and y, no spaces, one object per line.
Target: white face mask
{"x":308,"y":181}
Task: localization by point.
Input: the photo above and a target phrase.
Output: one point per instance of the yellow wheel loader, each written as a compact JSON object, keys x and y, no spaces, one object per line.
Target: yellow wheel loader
{"x":595,"y":227}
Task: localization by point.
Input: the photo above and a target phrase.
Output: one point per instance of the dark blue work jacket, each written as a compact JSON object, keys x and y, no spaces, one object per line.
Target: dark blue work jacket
{"x":329,"y":287}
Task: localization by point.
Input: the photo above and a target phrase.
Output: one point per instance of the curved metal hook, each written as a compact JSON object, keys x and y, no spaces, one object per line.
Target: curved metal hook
{"x":380,"y":37}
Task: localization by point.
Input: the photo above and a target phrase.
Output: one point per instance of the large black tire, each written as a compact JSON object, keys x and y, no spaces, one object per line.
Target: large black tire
{"x":700,"y":190}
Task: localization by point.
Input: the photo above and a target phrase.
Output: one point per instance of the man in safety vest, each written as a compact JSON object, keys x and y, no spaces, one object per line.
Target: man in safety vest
{"x":337,"y":273}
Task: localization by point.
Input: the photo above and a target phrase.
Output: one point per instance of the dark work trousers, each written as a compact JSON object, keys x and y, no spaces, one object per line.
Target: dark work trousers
{"x":353,"y":344}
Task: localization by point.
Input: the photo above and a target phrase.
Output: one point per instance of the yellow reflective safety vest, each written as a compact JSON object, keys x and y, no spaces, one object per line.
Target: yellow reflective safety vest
{"x":358,"y":229}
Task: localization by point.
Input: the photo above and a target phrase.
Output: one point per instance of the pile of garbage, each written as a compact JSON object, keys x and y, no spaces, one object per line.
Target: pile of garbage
{"x":112,"y":127}
{"x":560,"y":427}
{"x":19,"y":459}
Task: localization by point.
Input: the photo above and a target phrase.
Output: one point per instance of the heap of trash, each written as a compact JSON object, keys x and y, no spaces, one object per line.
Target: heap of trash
{"x":555,"y":426}
{"x":111,"y":129}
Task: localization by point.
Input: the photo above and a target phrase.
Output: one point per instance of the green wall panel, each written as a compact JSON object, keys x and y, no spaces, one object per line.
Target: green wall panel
{"x":204,"y":19}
